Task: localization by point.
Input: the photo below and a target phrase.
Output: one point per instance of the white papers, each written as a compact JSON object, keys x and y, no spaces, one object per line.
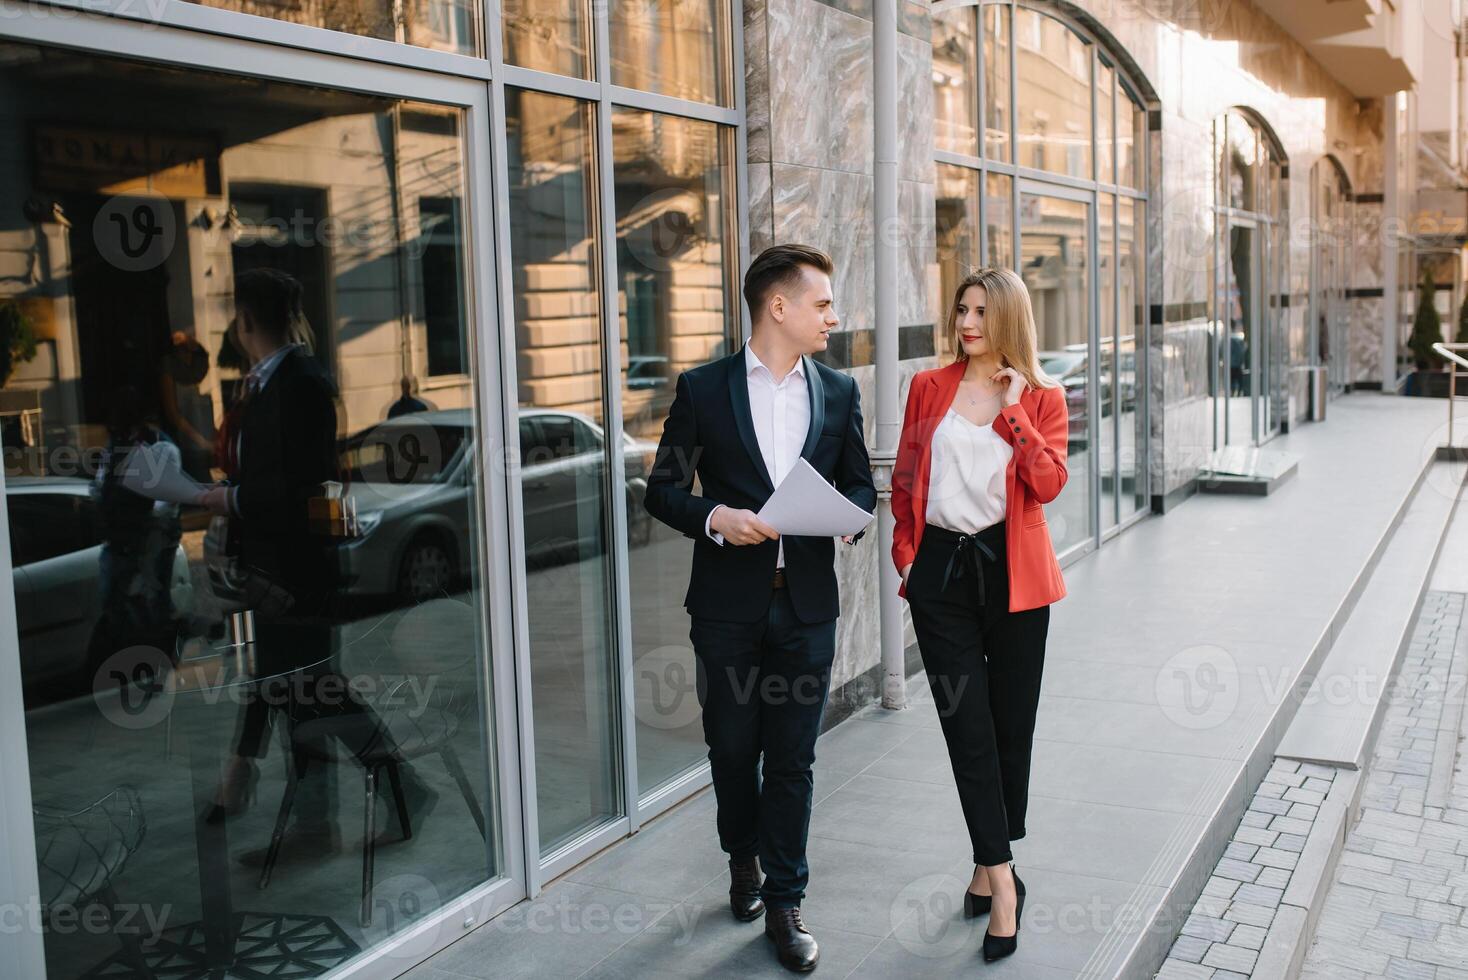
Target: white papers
{"x":154,"y":472}
{"x":805,"y":504}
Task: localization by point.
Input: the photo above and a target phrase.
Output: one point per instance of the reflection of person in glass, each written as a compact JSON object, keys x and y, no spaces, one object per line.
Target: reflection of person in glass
{"x":764,"y":607}
{"x":188,"y":411}
{"x":983,"y":447}
{"x":280,"y":448}
{"x":408,"y":402}
{"x":140,"y":540}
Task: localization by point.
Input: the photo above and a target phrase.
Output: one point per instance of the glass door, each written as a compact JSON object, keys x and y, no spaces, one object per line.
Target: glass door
{"x":1237,"y":337}
{"x":1273,"y":412}
{"x":1055,"y":262}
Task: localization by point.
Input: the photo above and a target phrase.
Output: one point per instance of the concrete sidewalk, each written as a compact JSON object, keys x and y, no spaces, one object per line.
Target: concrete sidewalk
{"x":1165,"y":690}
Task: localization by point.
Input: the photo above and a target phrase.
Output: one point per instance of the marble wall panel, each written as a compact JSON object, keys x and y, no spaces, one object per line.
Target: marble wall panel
{"x":756,"y":82}
{"x":820,"y":85}
{"x":918,"y":212}
{"x":831,"y":210}
{"x":915,"y":109}
{"x":1364,"y":340}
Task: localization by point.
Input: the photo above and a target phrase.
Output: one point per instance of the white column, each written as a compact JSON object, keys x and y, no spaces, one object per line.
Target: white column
{"x":887,"y":256}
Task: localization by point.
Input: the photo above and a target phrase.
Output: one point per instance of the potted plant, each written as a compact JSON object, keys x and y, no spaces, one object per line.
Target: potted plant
{"x":17,"y":339}
{"x":1427,"y":329}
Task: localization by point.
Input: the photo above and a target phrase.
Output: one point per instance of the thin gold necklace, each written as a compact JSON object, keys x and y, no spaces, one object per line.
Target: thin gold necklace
{"x":987,"y":397}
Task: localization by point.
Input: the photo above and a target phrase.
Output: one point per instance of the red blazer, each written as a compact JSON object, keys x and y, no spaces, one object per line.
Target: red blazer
{"x":1036,"y":428}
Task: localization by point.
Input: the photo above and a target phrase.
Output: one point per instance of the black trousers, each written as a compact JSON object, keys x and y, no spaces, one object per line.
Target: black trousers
{"x":763,"y":689}
{"x":983,"y":664}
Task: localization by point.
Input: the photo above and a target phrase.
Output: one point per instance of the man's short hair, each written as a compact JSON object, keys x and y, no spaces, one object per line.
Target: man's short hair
{"x":778,"y":267}
{"x":271,"y":297}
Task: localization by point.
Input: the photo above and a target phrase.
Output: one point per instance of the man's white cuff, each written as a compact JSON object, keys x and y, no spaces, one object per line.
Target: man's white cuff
{"x":713,"y":535}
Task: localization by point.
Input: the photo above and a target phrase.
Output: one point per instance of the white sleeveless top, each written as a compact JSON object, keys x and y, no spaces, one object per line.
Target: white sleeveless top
{"x":966,"y":481}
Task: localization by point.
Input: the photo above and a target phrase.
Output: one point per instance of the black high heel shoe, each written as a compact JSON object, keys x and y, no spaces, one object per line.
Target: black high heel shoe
{"x":976,"y":905}
{"x":998,"y":947}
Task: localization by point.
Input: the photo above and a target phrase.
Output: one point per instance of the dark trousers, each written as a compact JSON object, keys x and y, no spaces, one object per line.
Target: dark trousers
{"x":763,"y":688}
{"x":983,"y":664}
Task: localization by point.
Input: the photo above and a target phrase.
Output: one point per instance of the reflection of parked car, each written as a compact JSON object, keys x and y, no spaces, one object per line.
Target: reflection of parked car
{"x":1071,"y":368}
{"x":647,"y":371}
{"x":55,"y":548}
{"x":412,"y":480}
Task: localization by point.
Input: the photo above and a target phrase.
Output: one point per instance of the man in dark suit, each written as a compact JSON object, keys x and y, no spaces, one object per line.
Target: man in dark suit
{"x":279,"y":448}
{"x":764,"y":607}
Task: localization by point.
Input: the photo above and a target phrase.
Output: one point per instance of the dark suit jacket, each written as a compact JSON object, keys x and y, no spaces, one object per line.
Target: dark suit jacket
{"x":710,"y":434}
{"x":287,"y":450}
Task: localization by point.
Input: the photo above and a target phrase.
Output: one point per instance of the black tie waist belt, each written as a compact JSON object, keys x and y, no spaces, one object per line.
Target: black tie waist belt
{"x":967,"y":548}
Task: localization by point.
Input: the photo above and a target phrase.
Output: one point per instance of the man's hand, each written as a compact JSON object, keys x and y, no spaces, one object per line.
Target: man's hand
{"x":741,"y":526}
{"x":215,"y":500}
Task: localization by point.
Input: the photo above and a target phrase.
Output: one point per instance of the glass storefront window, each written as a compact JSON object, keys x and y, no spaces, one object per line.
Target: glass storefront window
{"x":675,"y":258}
{"x":957,"y":250}
{"x":1106,"y":346}
{"x":672,"y":47}
{"x":996,"y":82}
{"x":956,"y":82}
{"x":445,"y":25}
{"x":563,"y":466}
{"x":1105,"y":95}
{"x":1054,"y":255}
{"x":1054,"y":98}
{"x":999,"y":220}
{"x":549,"y":35}
{"x":239,"y":290}
{"x":1131,"y":346}
{"x":1131,"y":141}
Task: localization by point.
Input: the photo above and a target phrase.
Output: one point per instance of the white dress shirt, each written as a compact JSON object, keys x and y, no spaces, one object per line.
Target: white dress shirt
{"x":780,"y":411}
{"x":966,"y":491}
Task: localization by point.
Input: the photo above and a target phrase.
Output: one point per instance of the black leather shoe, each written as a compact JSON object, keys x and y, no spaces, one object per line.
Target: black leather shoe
{"x":998,"y":947}
{"x":794,"y":944}
{"x":744,"y":882}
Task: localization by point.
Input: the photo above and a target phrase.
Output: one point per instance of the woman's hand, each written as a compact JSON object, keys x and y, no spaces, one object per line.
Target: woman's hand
{"x":1016,"y":384}
{"x":905,"y":570}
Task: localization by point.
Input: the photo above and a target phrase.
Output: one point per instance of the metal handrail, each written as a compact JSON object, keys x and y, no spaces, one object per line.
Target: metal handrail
{"x":1456,"y":360}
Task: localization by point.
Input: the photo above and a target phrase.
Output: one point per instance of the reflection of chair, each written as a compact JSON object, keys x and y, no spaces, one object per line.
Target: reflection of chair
{"x":407,"y":717}
{"x":81,"y":852}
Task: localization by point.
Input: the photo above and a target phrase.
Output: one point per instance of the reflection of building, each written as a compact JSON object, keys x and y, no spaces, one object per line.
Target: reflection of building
{"x":542,"y":216}
{"x":238,"y":194}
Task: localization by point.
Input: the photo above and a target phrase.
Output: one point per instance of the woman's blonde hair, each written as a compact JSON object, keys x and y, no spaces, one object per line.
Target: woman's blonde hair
{"x":1009,"y":323}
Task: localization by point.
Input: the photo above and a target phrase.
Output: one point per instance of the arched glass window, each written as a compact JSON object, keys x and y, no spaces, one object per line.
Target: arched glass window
{"x":1040,"y":140}
{"x":1248,"y":333}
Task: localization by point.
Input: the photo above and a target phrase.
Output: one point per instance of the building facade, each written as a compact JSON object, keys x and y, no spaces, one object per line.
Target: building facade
{"x":514,"y":224}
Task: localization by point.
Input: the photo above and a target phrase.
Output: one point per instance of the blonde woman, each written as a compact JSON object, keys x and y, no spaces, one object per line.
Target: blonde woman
{"x":983,"y":448}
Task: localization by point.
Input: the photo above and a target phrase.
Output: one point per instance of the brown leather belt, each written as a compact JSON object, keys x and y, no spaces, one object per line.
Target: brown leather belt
{"x":779,"y":578}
